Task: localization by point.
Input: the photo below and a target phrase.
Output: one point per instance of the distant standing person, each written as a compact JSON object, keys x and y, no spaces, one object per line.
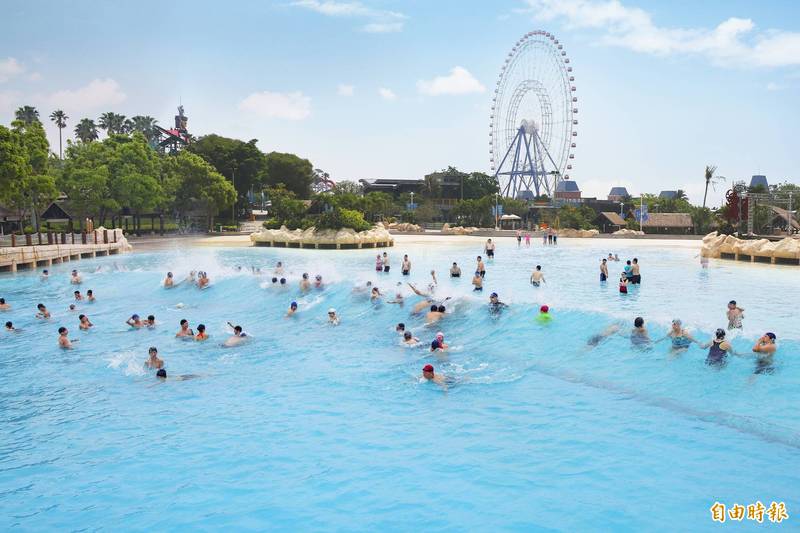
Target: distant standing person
{"x":765,"y":348}
{"x":480,"y":268}
{"x":636,"y":278}
{"x":455,"y":270}
{"x":623,"y":284}
{"x":735,"y":315}
{"x":555,"y":238}
{"x":385,"y":262}
{"x":603,"y":270}
{"x":477,"y":281}
{"x":63,"y":339}
{"x":519,"y":238}
{"x":550,"y":236}
{"x":718,"y":349}
{"x":527,"y":239}
{"x":406,"y":266}
{"x":544,"y":237}
{"x":378,"y":263}
{"x":489,"y":248}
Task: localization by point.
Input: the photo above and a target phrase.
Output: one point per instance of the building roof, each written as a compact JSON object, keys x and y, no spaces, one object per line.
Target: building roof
{"x":618,"y":191}
{"x":567,"y":186}
{"x":668,"y":220}
{"x":759,"y":179}
{"x":55,"y":212}
{"x":614,"y":218}
{"x":669,"y":195}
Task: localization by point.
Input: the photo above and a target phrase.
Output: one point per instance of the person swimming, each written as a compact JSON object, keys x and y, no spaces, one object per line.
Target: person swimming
{"x":596,"y":339}
{"x":375,"y":295}
{"x":238,"y":336}
{"x":428,"y":374}
{"x":169,"y":281}
{"x":623,"y":284}
{"x":495,"y":305}
{"x":78,"y":296}
{"x":304,"y":283}
{"x":292,"y":309}
{"x":400,"y":328}
{"x":477,"y":282}
{"x":90,"y":296}
{"x":398,"y":295}
{"x":410,"y":339}
{"x":3,"y":305}
{"x":150,"y":321}
{"x":435,"y":314}
{"x":438,"y":343}
{"x":185,"y":330}
{"x":333,"y":319}
{"x":735,"y":315}
{"x":63,"y":339}
{"x":718,"y":349}
{"x":201,"y":333}
{"x":679,"y":337}
{"x":203,"y":280}
{"x":765,"y":347}
{"x":43,"y":313}
{"x":10,"y":326}
{"x":75,"y":278}
{"x":318,"y":282}
{"x":639,"y":335}
{"x":278,"y":269}
{"x":84,"y":323}
{"x":544,"y":315}
{"x":455,"y":270}
{"x":378,"y":263}
{"x":537,"y":278}
{"x":134,"y":321}
{"x":154,"y":362}
{"x":45,"y":275}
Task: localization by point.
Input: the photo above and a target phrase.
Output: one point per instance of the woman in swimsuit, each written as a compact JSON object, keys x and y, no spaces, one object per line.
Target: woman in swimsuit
{"x":718,"y":349}
{"x":680,"y":338}
{"x":378,"y":263}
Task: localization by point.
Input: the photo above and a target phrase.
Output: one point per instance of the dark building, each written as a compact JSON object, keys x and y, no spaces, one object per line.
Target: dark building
{"x":668,"y":195}
{"x":759,"y":180}
{"x":617,"y":194}
{"x":568,"y":190}
{"x":393,"y":186}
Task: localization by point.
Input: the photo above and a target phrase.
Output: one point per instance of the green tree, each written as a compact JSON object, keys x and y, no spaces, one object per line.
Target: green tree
{"x":113,"y":123}
{"x":59,"y":118}
{"x":85,"y":181}
{"x":576,"y":217}
{"x":348,"y":187}
{"x":27,"y":114}
{"x":191,"y":181}
{"x":86,"y":130}
{"x":294,"y":173}
{"x":146,"y":125}
{"x":35,"y":189}
{"x":478,"y":185}
{"x":14,"y":165}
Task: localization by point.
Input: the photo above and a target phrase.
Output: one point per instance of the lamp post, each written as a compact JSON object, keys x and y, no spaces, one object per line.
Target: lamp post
{"x":496,"y":214}
{"x":233,"y":207}
{"x":412,"y":200}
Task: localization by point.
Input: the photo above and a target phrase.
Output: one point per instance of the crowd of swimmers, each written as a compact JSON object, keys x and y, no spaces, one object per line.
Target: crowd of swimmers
{"x":719,"y":347}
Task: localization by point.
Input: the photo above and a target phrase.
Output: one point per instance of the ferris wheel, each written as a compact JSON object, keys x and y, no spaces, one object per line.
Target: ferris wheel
{"x":533,"y":118}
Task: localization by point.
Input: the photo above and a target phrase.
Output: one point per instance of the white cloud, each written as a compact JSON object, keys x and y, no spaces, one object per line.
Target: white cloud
{"x":9,"y":100}
{"x":34,"y":76}
{"x":377,"y":20}
{"x":97,"y":94}
{"x":289,"y":106}
{"x":387,"y":94}
{"x":9,"y":68}
{"x":459,"y":81}
{"x":345,"y":90}
{"x":734,"y":42}
{"x":772,"y":86}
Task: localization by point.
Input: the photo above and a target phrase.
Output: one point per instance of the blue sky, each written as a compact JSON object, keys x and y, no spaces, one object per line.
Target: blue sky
{"x":664,"y":88}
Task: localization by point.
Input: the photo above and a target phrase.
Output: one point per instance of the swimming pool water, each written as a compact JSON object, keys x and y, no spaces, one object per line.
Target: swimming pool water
{"x":309,"y":426}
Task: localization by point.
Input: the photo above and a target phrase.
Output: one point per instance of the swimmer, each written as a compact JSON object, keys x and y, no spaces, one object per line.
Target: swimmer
{"x":489,"y":249}
{"x":362,"y":290}
{"x":428,"y":374}
{"x":201,"y":333}
{"x":527,"y":239}
{"x":455,"y":270}
{"x":627,"y":271}
{"x":378,"y":263}
{"x":10,"y":326}
{"x":3,"y":305}
{"x":84,"y":323}
{"x":495,"y":305}
{"x":765,"y":347}
{"x":435,"y":314}
{"x":63,"y":339}
{"x":185,"y":330}
{"x":639,"y":335}
{"x":191,"y":277}
{"x":274,"y":280}
{"x":735,"y":315}
{"x":278,"y":269}
{"x":304,"y":283}
{"x":75,"y":278}
{"x":616,"y":257}
{"x":477,"y":281}
{"x":544,"y":315}
{"x":410,"y":339}
{"x":594,"y":340}
{"x":134,"y":321}
{"x":603,"y":270}
{"x":318,"y":282}
{"x":238,"y":336}
{"x":283,"y":281}
{"x":153,"y":362}
{"x":623,"y":284}
{"x":72,"y":307}
{"x":292,"y":309}
{"x":398,"y":295}
{"x":718,"y":349}
{"x":78,"y":296}
{"x":333,"y":319}
{"x":202,"y":280}
{"x":43,"y":313}
{"x":45,"y":275}
{"x":375,"y":295}
{"x":405,"y":267}
{"x":680,"y":337}
{"x":385,"y":262}
{"x":90,"y":296}
{"x":150,"y":322}
{"x":438,"y":343}
{"x":537,"y":277}
{"x":480,"y":268}
{"x":519,"y":238}
{"x":636,"y":278}
{"x":168,"y":281}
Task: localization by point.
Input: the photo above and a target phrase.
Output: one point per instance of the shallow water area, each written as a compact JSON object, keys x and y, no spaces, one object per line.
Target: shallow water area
{"x":310,"y":426}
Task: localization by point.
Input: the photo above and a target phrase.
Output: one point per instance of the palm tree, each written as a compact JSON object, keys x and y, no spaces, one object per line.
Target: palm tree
{"x":86,"y":130}
{"x":710,"y":169}
{"x":60,"y":120}
{"x":146,"y":125}
{"x":27,"y":114}
{"x":112,"y":122}
{"x":680,"y":194}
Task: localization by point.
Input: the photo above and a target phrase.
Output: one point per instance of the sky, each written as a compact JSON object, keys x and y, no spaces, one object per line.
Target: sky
{"x":398,"y":89}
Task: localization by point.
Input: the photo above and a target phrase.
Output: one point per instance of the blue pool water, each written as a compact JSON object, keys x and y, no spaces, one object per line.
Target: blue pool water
{"x":309,"y":426}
